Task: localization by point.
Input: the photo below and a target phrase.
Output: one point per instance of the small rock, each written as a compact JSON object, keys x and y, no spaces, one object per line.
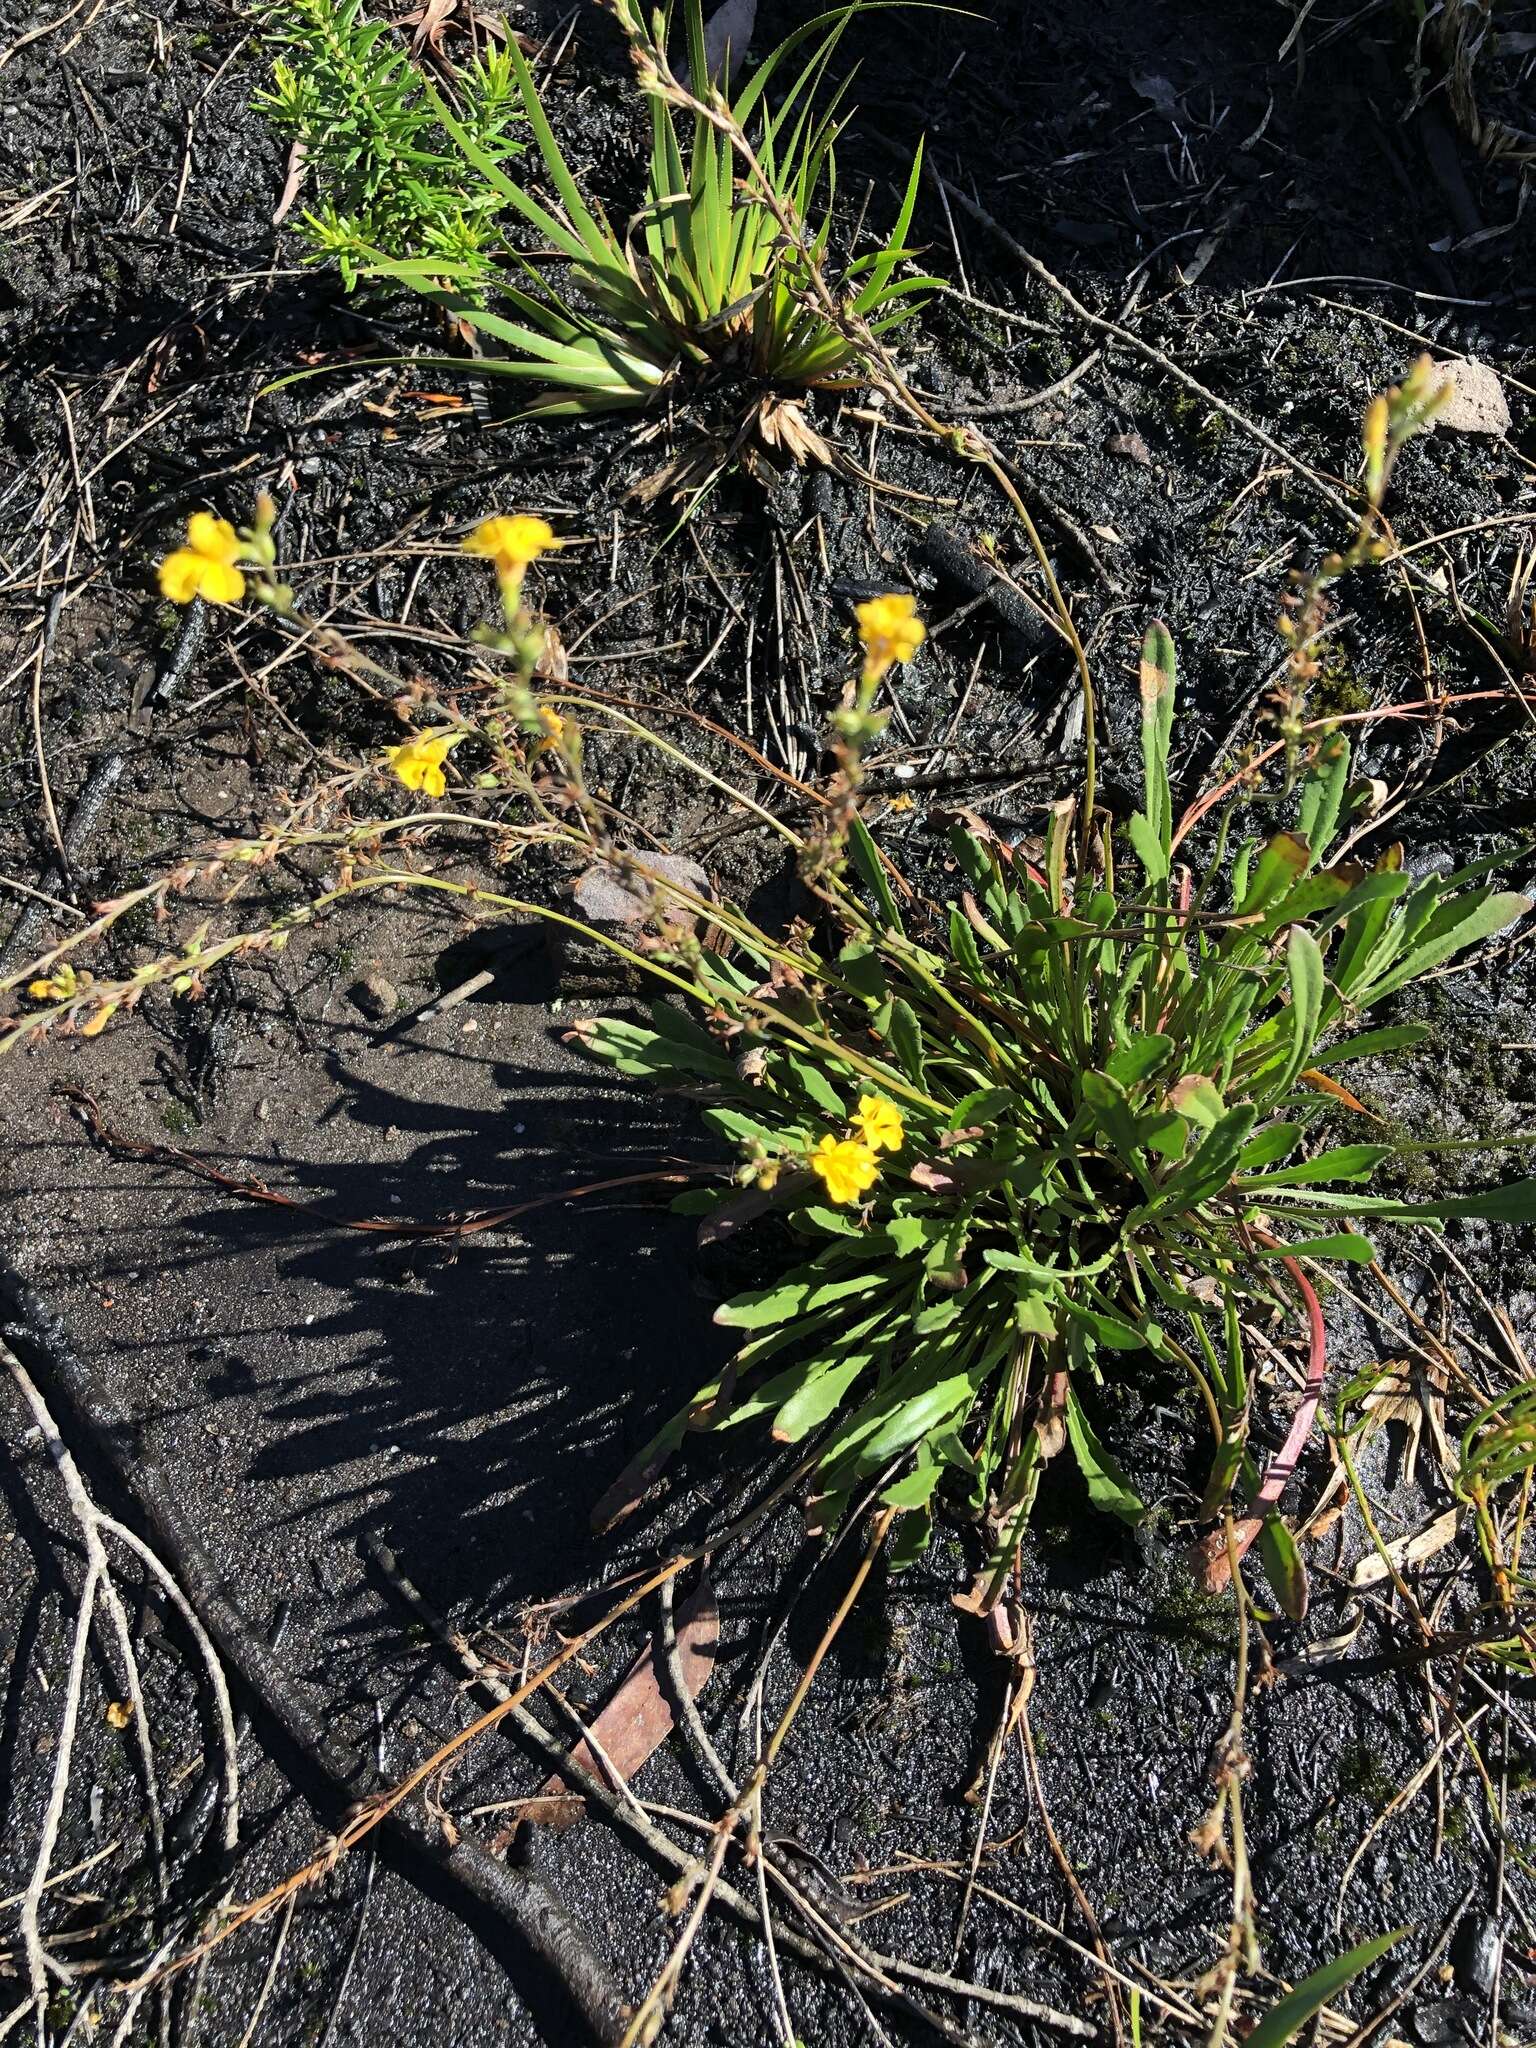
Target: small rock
{"x":727,"y":33}
{"x":1474,"y":402}
{"x":1475,"y":1954}
{"x":609,"y":905}
{"x":1439,"y":2020}
{"x":1152,"y":86}
{"x":607,"y":901}
{"x":375,"y":996}
{"x":1132,"y":447}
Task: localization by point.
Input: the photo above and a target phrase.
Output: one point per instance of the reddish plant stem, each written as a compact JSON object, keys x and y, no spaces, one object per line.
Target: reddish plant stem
{"x":1209,"y":801}
{"x":1213,"y":1556}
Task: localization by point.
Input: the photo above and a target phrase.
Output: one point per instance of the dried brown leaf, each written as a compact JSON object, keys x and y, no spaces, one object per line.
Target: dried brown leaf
{"x":783,"y":425}
{"x":638,"y":1719}
{"x":1407,"y":1551}
{"x":1209,"y":1560}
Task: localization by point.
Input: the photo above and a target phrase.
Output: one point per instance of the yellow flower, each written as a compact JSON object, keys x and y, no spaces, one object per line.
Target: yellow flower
{"x":57,"y":988}
{"x":890,"y":630}
{"x":879,"y":1124}
{"x":512,"y":543}
{"x":419,"y":761}
{"x":205,"y":567}
{"x":848,"y":1167}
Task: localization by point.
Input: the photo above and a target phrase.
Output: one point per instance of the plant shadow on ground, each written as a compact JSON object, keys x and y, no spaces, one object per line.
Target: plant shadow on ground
{"x":499,"y":1375}
{"x":490,"y":1384}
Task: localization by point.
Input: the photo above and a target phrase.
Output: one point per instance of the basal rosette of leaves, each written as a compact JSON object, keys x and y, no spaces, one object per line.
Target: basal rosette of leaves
{"x":1106,"y":1085}
{"x":720,"y":266}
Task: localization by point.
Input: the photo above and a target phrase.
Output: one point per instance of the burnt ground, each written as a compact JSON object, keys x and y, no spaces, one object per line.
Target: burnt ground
{"x":1296,"y":235}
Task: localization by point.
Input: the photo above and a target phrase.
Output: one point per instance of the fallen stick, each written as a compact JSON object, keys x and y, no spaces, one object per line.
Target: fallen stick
{"x":625,"y":1813}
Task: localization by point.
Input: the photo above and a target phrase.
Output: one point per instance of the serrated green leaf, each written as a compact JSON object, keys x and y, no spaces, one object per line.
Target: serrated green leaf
{"x":981,"y":1106}
{"x":1307,"y":975}
{"x":813,"y":1084}
{"x":1477,"y":922}
{"x":1108,"y":1330}
{"x":1275,"y":1141}
{"x":1281,"y":864}
{"x":1043,"y":1274}
{"x":938,"y":1316}
{"x":831,"y":1222}
{"x":962,"y":943}
{"x":1108,"y":1487}
{"x":907,"y":1041}
{"x":802,"y":1293}
{"x":862,"y":851}
{"x":1032,"y":1314}
{"x":1147,"y":847}
{"x":908,"y":1235}
{"x":909,"y":1539}
{"x":1367,"y":1044}
{"x":1164,"y":1132}
{"x":1346,"y":1244}
{"x":1323,"y":792}
{"x":1134,"y":1061}
{"x":1197,"y":1099}
{"x":1158,"y":678}
{"x":740,"y":1128}
{"x":1515,"y":1202}
{"x":917,"y":1488}
{"x":924,"y":1412}
{"x":864,"y":971}
{"x":1225,"y":1466}
{"x":1342,"y":1162}
{"x":672,"y":1022}
{"x":1111,"y":1110}
{"x":1209,"y":1168}
{"x":813,"y":1403}
{"x":1312,"y":894}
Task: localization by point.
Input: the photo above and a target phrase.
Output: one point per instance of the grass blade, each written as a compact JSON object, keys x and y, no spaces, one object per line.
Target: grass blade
{"x":1284,"y":2021}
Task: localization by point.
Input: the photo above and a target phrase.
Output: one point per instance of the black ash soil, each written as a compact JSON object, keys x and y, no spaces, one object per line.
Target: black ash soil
{"x":312,"y":1388}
